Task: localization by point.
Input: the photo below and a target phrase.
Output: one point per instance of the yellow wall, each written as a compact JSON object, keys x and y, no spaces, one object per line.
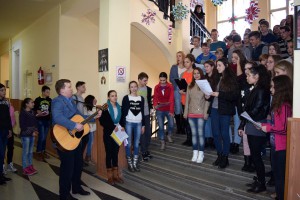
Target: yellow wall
{"x":78,"y":50}
{"x":39,"y":48}
{"x":4,"y":70}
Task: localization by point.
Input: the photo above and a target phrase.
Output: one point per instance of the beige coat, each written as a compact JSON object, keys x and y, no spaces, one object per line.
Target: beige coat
{"x":195,"y":102}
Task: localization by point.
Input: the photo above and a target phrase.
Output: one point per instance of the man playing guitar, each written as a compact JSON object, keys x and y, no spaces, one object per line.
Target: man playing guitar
{"x":63,"y":109}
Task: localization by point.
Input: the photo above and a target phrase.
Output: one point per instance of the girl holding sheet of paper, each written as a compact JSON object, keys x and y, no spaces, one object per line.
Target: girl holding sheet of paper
{"x":222,"y":108}
{"x":281,"y":110}
{"x":111,"y":121}
{"x":257,"y":106}
{"x":196,"y":111}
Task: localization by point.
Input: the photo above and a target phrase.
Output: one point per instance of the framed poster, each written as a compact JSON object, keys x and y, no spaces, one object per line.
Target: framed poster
{"x":103,"y":60}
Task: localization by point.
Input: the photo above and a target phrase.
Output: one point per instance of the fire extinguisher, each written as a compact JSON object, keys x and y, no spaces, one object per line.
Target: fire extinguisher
{"x":41,"y":76}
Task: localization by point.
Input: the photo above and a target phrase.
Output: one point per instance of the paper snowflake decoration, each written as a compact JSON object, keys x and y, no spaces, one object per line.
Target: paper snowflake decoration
{"x":252,"y":12}
{"x":232,"y":19}
{"x":148,"y":17}
{"x":180,"y":11}
{"x":217,"y":2}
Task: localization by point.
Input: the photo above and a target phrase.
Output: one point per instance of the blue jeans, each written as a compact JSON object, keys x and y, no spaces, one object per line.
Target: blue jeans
{"x":236,"y":121}
{"x":3,"y":143}
{"x":161,"y":119}
{"x":90,"y":144}
{"x":136,"y":130}
{"x":198,"y":138}
{"x":207,"y":128}
{"x":177,"y":99}
{"x":43,"y":127}
{"x":27,"y":145}
{"x":220,"y":127}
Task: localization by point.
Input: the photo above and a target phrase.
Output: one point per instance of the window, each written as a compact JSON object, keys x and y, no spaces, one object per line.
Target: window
{"x":279,"y":9}
{"x":228,"y":9}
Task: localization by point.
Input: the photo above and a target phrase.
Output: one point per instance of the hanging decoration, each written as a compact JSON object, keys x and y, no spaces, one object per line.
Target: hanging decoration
{"x":170,"y":28}
{"x":252,"y":12}
{"x":180,"y":11}
{"x":217,"y":2}
{"x":232,"y":19}
{"x":148,"y":17}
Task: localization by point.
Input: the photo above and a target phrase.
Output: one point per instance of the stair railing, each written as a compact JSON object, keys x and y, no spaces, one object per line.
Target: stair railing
{"x":197,"y":28}
{"x":167,"y":11}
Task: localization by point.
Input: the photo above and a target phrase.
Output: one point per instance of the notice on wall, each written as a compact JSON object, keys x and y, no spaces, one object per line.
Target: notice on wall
{"x":121,"y":74}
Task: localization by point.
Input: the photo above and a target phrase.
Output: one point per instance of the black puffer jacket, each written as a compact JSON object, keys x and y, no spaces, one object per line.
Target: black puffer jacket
{"x":257,"y":105}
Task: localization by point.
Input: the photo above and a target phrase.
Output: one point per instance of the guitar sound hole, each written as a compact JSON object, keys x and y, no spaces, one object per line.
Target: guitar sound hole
{"x":78,"y":134}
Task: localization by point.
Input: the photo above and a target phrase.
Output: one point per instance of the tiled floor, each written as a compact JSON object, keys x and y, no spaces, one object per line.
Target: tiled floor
{"x":44,"y":185}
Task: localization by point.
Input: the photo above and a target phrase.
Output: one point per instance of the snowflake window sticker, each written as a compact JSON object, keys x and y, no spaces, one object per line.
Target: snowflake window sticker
{"x":148,"y":17}
{"x":252,"y":12}
{"x":180,"y":11}
{"x":217,"y":2}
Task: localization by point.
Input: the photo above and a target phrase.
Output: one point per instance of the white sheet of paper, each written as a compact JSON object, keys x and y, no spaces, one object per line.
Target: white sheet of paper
{"x":204,"y":86}
{"x":247,"y":116}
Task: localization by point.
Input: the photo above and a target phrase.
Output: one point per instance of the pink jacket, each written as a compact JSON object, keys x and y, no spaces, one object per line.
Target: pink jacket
{"x":279,"y":128}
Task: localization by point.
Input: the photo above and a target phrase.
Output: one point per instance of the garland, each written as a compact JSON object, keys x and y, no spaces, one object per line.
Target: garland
{"x":180,"y":11}
{"x":232,"y":19}
{"x":148,"y":17}
{"x":217,"y":2}
{"x":170,"y":34}
{"x":252,"y":12}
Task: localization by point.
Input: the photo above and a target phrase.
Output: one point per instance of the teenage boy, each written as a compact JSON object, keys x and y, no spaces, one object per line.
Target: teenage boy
{"x":145,"y":91}
{"x":215,"y":42}
{"x":42,"y":106}
{"x":5,"y":130}
{"x":205,"y":56}
{"x":266,"y":36}
{"x":258,"y":47}
{"x":196,"y":51}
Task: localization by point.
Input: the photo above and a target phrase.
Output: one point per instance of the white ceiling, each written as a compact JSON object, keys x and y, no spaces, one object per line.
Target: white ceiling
{"x":15,"y":15}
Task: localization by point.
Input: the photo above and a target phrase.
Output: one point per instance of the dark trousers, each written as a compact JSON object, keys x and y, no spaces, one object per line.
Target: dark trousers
{"x":256,"y":144}
{"x":10,"y":149}
{"x":3,"y":142}
{"x":112,"y":151}
{"x":278,"y":158}
{"x":164,"y":7}
{"x":84,"y":142}
{"x":146,"y":137}
{"x":70,"y":171}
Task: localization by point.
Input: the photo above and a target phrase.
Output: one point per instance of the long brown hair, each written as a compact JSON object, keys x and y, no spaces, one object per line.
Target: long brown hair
{"x":182,"y":55}
{"x":283,"y":92}
{"x":214,"y":78}
{"x":229,"y":79}
{"x":193,"y":83}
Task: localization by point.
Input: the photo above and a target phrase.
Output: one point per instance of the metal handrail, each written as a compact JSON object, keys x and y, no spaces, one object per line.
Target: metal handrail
{"x":197,"y":28}
{"x":167,"y":15}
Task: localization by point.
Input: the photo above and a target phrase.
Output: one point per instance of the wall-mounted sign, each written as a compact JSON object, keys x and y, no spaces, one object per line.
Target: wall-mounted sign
{"x":103,"y":60}
{"x":121,"y":74}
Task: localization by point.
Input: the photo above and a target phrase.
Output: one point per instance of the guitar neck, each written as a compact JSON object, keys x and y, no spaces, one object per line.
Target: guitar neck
{"x":89,"y":118}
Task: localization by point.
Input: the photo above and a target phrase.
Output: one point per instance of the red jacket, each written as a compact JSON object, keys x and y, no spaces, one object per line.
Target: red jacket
{"x":164,"y":101}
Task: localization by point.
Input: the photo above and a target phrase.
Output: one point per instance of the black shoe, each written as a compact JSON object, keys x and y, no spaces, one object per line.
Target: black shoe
{"x":217,"y":162}
{"x":260,"y":187}
{"x":254,"y":183}
{"x":248,"y":164}
{"x":81,"y":191}
{"x":145,"y":156}
{"x":149,"y":155}
{"x":223,"y":162}
{"x":70,"y":197}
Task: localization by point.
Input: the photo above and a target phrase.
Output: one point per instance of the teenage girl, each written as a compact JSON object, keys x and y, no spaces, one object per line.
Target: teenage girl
{"x":133,"y":118}
{"x":29,"y":130}
{"x":281,"y":110}
{"x":111,"y":121}
{"x":196,"y":111}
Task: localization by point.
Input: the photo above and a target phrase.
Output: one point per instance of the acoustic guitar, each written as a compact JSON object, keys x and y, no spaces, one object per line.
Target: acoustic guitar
{"x":67,"y":140}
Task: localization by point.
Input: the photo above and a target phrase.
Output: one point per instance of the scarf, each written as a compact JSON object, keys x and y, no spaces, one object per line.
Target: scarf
{"x":116,"y":120}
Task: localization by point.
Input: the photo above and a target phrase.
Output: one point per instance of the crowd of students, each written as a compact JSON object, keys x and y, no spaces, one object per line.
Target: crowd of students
{"x":253,"y":75}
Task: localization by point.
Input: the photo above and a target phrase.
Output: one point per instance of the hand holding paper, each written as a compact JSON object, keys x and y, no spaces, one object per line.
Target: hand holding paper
{"x":247,"y":116}
{"x":204,"y":86}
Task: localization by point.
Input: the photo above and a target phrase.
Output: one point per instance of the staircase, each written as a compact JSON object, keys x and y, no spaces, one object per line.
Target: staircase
{"x":171,"y":175}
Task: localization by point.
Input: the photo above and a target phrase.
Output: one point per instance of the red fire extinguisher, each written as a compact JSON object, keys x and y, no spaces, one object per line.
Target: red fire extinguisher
{"x":41,"y":76}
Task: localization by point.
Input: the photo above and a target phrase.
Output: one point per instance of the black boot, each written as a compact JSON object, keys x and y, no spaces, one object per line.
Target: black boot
{"x":130,"y":165}
{"x":224,"y":162}
{"x":254,"y":183}
{"x":259,"y":187}
{"x":248,"y":164}
{"x":135,"y":163}
{"x":217,"y":162}
{"x":178,"y":124}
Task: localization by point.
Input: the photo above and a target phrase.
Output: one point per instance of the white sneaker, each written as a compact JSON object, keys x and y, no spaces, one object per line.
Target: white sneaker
{"x":4,"y":169}
{"x":200,"y":157}
{"x":195,"y":155}
{"x":11,"y":167}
